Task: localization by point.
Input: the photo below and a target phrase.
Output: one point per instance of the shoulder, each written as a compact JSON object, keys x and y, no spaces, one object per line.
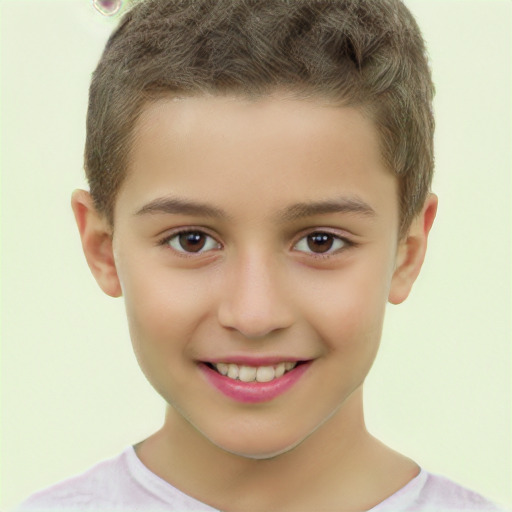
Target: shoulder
{"x":121,"y":483}
{"x":445,"y":494}
{"x":433,"y":493}
{"x":88,"y":490}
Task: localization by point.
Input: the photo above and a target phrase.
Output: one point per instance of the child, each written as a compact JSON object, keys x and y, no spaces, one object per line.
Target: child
{"x":259,"y":189}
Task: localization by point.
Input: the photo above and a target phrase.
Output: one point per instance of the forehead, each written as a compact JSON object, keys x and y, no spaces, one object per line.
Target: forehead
{"x":254,"y":154}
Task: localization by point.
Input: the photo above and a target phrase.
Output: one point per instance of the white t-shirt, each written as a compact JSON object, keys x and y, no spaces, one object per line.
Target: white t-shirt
{"x":125,"y":484}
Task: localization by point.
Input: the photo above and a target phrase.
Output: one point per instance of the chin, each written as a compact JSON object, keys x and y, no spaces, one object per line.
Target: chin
{"x":259,"y":448}
{"x":262,"y":454}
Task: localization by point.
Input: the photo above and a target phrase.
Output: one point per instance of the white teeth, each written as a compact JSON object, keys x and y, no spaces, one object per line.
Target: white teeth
{"x":223,"y":368}
{"x":265,"y":374}
{"x":247,"y":373}
{"x":233,"y":371}
{"x":254,"y":373}
{"x":279,"y":370}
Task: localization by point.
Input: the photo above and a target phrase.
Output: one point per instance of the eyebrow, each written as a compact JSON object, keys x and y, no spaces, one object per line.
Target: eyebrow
{"x":178,"y":206}
{"x":350,"y":205}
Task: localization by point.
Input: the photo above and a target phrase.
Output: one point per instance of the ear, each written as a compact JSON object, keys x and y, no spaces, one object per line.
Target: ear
{"x":411,"y":252}
{"x":96,"y":236}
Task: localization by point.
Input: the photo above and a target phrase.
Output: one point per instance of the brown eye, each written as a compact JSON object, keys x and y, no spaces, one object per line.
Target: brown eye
{"x":320,"y":243}
{"x":193,"y":242}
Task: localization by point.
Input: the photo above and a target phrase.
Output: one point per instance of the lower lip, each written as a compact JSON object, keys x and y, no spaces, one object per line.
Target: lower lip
{"x":254,"y":392}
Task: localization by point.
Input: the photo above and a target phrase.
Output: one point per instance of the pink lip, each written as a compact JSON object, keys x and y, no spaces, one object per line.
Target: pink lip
{"x":254,"y":392}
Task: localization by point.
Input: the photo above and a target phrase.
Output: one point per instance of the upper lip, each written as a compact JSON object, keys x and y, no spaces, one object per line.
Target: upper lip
{"x":255,"y":361}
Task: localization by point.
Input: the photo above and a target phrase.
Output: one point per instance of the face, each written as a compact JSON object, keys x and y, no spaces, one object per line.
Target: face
{"x":257,"y":238}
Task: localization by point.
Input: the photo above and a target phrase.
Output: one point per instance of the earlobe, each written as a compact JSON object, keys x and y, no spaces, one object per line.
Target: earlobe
{"x":96,"y":237}
{"x":411,"y":252}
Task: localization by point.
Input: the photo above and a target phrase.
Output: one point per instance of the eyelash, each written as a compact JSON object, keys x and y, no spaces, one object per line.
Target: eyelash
{"x":166,"y":241}
{"x":346,"y":243}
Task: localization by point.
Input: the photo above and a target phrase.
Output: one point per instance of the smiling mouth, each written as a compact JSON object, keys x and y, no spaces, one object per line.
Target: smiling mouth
{"x":245,"y":373}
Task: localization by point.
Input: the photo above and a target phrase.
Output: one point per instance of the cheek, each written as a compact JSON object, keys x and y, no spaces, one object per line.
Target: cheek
{"x":163,"y":307}
{"x":347,"y":308}
{"x":164,"y":310}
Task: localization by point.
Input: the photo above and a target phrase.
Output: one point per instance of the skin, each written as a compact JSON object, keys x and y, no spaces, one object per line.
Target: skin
{"x":258,"y":289}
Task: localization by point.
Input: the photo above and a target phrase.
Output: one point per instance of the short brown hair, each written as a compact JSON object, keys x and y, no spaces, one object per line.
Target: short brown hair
{"x":364,"y":53}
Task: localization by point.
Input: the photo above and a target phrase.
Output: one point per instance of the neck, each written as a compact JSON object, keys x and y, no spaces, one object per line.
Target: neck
{"x":333,"y":466}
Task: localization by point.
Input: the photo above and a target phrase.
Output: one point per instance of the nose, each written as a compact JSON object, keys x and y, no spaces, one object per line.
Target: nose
{"x":255,"y":303}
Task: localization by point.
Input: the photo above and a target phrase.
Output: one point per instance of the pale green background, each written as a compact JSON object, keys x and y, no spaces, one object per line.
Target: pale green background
{"x":71,"y":390}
